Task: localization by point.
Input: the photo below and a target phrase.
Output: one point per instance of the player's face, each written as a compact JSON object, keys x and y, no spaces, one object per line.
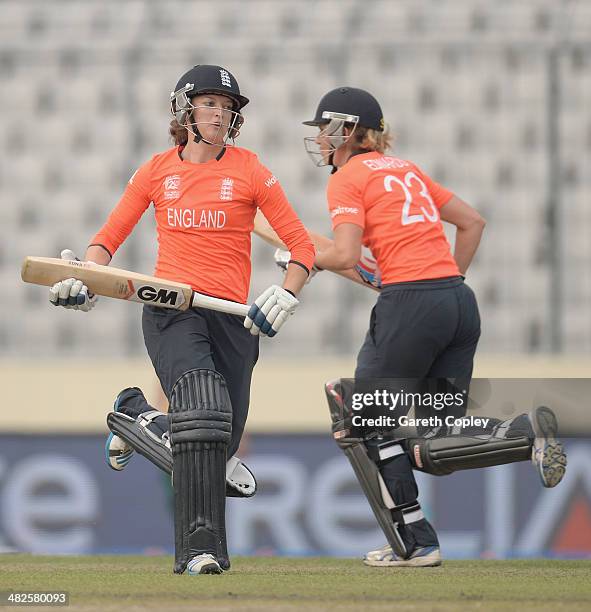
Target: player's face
{"x":328,"y":144}
{"x":342,"y":152}
{"x":213,"y":115}
{"x":325,"y":148}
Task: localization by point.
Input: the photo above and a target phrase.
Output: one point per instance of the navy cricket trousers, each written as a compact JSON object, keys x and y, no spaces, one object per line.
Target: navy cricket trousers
{"x":199,"y":338}
{"x":421,"y":329}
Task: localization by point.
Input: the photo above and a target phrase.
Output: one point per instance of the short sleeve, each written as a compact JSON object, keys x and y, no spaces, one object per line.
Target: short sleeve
{"x":345,"y":200}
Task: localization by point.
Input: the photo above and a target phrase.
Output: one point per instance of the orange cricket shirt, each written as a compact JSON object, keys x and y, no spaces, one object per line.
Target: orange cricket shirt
{"x":397,"y":206}
{"x":205,"y":216}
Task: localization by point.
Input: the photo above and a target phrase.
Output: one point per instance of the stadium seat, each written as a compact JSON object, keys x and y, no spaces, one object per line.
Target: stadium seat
{"x":462,"y":86}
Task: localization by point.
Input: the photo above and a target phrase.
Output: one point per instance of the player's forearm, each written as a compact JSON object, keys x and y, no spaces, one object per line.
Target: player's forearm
{"x":295,"y":278}
{"x":467,"y":241}
{"x":336,"y":259}
{"x":97,"y":254}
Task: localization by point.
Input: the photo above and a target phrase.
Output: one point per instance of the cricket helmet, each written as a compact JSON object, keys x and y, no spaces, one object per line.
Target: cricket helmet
{"x":351,"y":105}
{"x":204,"y":79}
{"x":339,"y":108}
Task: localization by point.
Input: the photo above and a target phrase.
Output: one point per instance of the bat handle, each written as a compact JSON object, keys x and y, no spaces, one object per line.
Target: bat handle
{"x":199,"y":300}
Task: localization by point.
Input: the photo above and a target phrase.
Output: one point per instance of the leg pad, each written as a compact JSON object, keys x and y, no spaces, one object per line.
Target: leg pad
{"x":365,"y":469}
{"x":200,"y":430}
{"x":440,"y":456}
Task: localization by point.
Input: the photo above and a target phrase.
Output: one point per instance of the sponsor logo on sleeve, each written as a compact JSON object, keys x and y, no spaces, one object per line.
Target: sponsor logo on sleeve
{"x":343,"y":210}
{"x":271,"y":181}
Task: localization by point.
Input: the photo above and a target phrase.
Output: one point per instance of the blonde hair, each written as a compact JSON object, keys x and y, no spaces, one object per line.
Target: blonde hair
{"x":366,"y":139}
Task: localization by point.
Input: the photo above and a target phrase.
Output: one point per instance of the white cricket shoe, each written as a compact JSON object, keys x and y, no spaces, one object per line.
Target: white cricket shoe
{"x":547,"y":455}
{"x":203,"y":564}
{"x":117,"y":452}
{"x":424,"y":556}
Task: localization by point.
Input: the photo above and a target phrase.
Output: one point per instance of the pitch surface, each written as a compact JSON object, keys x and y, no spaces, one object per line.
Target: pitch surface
{"x":287,"y":584}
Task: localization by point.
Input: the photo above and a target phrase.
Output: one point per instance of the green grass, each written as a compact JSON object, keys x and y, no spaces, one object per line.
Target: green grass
{"x":265,"y":583}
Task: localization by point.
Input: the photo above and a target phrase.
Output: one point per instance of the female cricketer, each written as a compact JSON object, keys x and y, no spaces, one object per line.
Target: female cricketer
{"x":425,"y":324}
{"x":205,"y":192}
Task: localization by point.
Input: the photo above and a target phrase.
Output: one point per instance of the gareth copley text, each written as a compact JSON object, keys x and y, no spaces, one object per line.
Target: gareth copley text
{"x":406,"y":421}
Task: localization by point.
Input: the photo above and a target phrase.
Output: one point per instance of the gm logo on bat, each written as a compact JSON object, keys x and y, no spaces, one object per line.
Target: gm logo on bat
{"x":158,"y":295}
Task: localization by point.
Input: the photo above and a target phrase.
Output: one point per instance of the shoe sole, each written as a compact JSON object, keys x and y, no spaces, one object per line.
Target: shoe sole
{"x":552,"y":466}
{"x":418,"y":562}
{"x":544,"y":423}
{"x":374,"y":557}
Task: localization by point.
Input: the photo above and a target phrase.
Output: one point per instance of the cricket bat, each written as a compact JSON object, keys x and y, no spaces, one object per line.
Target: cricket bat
{"x":124,"y":285}
{"x":263,"y":230}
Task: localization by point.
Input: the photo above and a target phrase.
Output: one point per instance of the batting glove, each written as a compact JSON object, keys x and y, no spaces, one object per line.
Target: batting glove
{"x":282,"y":259}
{"x":270,"y":311}
{"x":71,"y":293}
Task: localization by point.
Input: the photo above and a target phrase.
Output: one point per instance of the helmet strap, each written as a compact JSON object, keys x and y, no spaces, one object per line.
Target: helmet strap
{"x":197,"y":136}
{"x":331,"y":162}
{"x":233,"y":129}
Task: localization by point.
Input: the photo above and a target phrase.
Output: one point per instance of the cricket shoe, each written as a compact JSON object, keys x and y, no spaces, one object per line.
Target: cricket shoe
{"x":146,"y":435}
{"x":203,"y":564}
{"x":118,"y":452}
{"x":424,"y":556}
{"x":547,"y":453}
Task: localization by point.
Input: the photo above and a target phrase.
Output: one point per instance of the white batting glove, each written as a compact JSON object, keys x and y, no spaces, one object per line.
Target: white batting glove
{"x":270,"y":311}
{"x":282,"y":259}
{"x":71,"y":293}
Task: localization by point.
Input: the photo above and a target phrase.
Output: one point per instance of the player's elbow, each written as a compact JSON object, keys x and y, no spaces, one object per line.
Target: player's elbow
{"x":349,"y":258}
{"x":473,"y":221}
{"x":480,"y":222}
{"x":347,"y":241}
